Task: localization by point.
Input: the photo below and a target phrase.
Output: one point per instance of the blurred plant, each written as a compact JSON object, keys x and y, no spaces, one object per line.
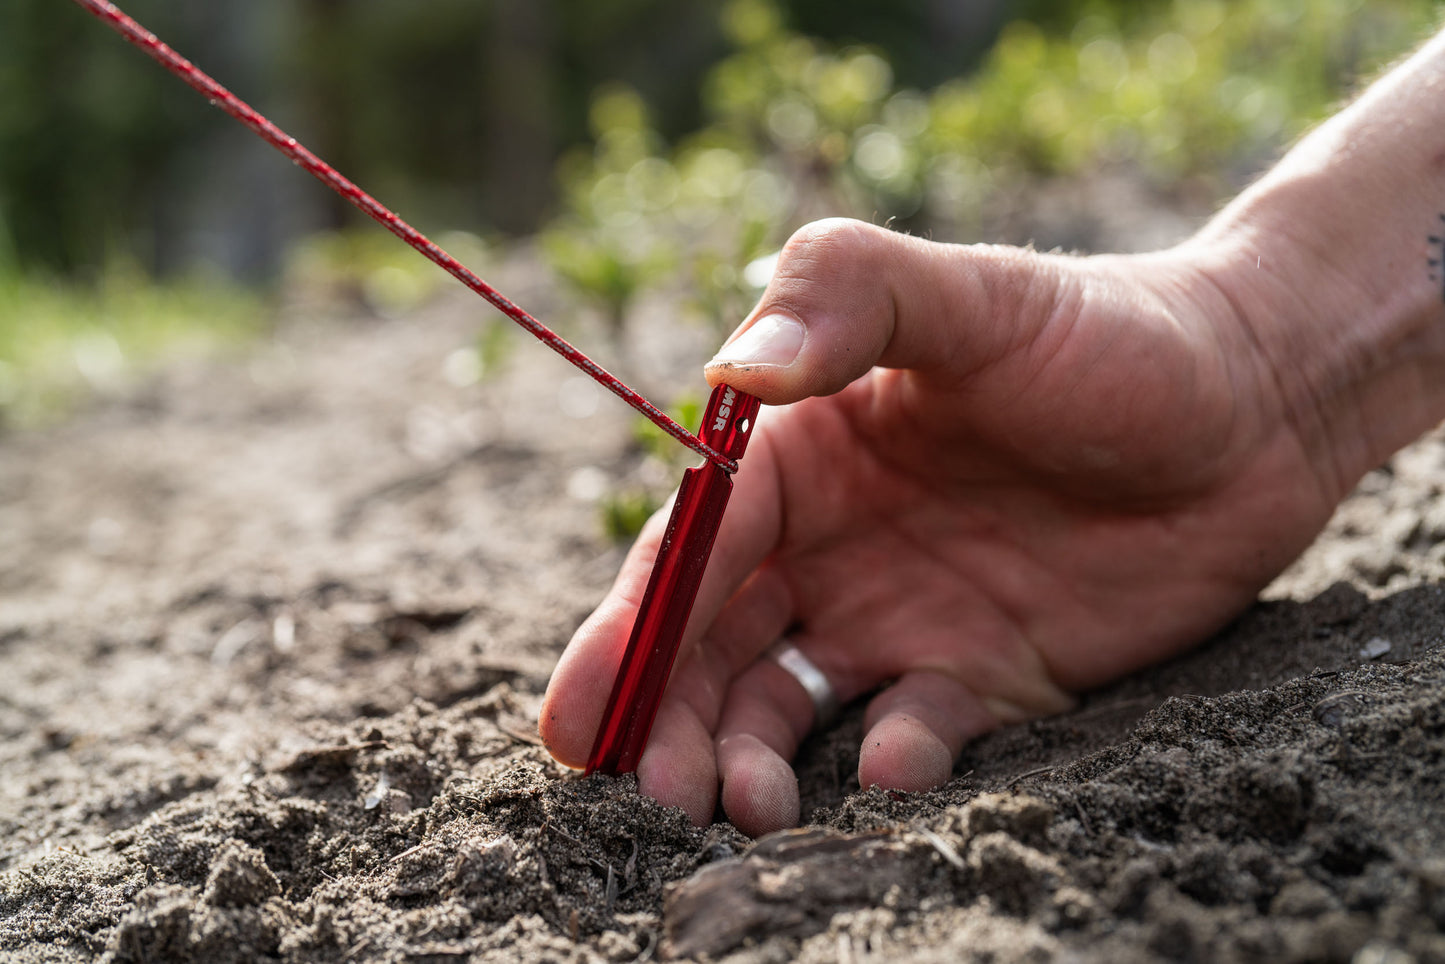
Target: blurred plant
{"x":487,"y":354}
{"x":626,"y":507}
{"x":1173,"y":89}
{"x":495,"y":343}
{"x":625,"y":511}
{"x":798,"y":130}
{"x":612,"y":243}
{"x":686,"y":411}
{"x":821,"y":113}
{"x":62,"y":339}
{"x":371,"y":267}
{"x":795,"y":130}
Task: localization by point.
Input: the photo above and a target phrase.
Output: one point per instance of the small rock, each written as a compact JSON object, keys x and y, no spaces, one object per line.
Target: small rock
{"x":239,"y":877}
{"x":1022,"y":816}
{"x":1015,"y":875}
{"x":1334,"y":709}
{"x":1375,"y":648}
{"x":1378,"y":952}
{"x":1070,"y":909}
{"x":617,"y":946}
{"x":1303,"y":898}
{"x":378,"y":793}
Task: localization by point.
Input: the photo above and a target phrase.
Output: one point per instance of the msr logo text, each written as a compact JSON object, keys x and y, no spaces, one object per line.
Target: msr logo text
{"x":724,"y":410}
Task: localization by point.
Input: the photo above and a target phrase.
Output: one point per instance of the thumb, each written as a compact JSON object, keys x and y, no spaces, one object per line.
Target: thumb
{"x":847,"y":295}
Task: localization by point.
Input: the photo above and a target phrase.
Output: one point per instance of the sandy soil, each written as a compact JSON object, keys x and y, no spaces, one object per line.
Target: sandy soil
{"x":273,"y":634}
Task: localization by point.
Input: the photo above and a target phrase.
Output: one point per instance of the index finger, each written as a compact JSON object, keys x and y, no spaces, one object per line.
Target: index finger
{"x":577,"y":694}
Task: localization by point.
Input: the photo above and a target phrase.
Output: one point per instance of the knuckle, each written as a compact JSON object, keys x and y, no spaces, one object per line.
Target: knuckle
{"x":825,"y":255}
{"x":831,"y":239}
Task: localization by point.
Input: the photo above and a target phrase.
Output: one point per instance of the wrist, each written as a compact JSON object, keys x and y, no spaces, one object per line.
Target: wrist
{"x":1347,"y":347}
{"x":1327,"y":265}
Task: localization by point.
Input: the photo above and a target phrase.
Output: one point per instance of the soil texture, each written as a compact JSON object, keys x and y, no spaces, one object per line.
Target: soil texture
{"x":274,"y":631}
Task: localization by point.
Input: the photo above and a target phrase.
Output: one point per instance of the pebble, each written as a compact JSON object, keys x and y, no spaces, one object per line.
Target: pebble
{"x":1335,"y":708}
{"x":1378,"y":646}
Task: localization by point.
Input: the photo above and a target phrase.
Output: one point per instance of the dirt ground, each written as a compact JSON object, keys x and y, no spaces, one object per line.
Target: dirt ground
{"x":274,"y":630}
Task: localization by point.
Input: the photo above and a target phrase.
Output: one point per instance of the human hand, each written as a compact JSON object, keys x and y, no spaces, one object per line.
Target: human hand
{"x":1067,"y":468}
{"x":1062,"y":469}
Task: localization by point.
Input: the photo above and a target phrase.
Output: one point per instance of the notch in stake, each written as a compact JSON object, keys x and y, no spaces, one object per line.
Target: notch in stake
{"x":727,"y":424}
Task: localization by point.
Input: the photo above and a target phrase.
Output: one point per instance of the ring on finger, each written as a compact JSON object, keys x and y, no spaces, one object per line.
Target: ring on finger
{"x":810,"y":677}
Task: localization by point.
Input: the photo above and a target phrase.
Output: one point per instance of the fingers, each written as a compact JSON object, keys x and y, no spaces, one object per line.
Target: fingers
{"x":768,"y":713}
{"x":759,"y":789}
{"x":847,"y":295}
{"x":677,"y":769}
{"x":916,"y":729}
{"x":577,"y":693}
{"x":741,"y":607}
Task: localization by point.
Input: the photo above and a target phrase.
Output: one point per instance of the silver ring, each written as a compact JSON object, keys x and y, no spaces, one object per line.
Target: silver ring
{"x":810,"y":677}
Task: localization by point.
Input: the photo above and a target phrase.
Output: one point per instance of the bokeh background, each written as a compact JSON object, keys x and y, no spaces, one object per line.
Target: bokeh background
{"x":631,"y":144}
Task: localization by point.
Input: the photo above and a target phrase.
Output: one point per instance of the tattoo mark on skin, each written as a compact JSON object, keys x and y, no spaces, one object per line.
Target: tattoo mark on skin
{"x":1437,"y":258}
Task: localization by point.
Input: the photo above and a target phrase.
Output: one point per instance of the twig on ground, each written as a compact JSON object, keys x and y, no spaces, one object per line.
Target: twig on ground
{"x":1036,"y":771}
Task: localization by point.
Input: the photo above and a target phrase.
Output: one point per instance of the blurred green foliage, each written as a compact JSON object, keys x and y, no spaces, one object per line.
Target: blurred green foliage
{"x":687,"y":412}
{"x":84,"y":134}
{"x":371,"y":267}
{"x":600,"y":250}
{"x":1184,"y":89}
{"x":797,"y":128}
{"x":61,"y":339}
{"x":624,"y":512}
{"x":624,"y":509}
{"x":454,"y":111}
{"x":702,"y":132}
{"x":637,"y":207}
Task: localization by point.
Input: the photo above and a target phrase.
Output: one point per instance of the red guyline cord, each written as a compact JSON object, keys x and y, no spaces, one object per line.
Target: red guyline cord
{"x":326,"y":174}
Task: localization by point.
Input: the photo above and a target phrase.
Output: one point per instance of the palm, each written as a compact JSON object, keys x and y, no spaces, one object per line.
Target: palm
{"x":1055,"y":580}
